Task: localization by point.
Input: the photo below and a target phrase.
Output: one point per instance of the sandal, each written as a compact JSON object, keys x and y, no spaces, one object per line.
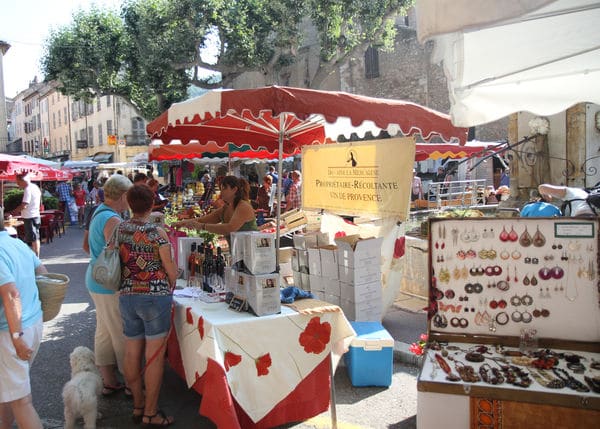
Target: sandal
{"x":137,"y":418}
{"x":108,"y":390}
{"x":164,"y":420}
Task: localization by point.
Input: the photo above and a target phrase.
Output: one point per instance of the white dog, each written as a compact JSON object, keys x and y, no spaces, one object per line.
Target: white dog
{"x":80,"y":394}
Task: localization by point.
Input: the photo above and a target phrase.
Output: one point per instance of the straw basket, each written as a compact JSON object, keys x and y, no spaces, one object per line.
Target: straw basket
{"x":52,"y":288}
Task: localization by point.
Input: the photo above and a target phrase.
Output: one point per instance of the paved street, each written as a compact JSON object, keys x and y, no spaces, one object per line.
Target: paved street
{"x":356,"y":407}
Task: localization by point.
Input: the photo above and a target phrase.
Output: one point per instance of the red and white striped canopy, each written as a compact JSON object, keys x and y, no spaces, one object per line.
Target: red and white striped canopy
{"x":261,"y":117}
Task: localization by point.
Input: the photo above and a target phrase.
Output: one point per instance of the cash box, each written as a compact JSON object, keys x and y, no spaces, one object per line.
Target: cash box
{"x":370,"y":359}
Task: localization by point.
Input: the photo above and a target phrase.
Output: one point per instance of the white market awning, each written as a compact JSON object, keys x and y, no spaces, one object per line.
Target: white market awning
{"x":502,"y":57}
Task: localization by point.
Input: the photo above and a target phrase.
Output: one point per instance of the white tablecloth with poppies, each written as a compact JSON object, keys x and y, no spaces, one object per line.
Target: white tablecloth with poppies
{"x":264,"y":358}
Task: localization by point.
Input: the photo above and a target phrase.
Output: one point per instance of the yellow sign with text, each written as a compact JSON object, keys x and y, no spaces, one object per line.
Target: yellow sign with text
{"x":371,"y":177}
{"x":112,"y":139}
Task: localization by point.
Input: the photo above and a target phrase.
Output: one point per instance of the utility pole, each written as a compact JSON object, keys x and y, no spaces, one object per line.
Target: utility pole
{"x":4,"y":47}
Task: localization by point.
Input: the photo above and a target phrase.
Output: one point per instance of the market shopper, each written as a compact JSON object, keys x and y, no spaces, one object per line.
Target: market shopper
{"x":416,"y":187}
{"x":294,"y":197}
{"x":64,"y":191}
{"x":160,"y":202}
{"x":109,"y":341}
{"x":146,"y":297}
{"x":29,"y":209}
{"x":20,"y":330}
{"x":80,"y":196}
{"x":237,"y":213}
{"x":574,"y":199}
{"x":263,"y":197}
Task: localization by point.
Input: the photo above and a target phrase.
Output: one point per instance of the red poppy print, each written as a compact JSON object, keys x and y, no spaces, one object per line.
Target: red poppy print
{"x":316,"y":336}
{"x":231,"y":359}
{"x":201,"y":327}
{"x":262,"y":364}
{"x":399,"y":247}
{"x":189,"y":318}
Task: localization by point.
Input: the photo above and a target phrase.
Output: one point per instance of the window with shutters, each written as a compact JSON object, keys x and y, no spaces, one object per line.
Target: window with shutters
{"x":371,"y":63}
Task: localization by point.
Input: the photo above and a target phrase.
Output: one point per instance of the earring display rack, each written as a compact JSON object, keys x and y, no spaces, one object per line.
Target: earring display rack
{"x":495,"y":277}
{"x":514,"y":316}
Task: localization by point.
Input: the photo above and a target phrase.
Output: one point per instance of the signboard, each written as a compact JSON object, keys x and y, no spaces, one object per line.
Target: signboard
{"x":111,"y":139}
{"x":371,"y":177}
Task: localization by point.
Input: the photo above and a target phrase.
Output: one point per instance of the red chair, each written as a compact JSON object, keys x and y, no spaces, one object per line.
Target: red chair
{"x":47,"y":228}
{"x":59,"y":222}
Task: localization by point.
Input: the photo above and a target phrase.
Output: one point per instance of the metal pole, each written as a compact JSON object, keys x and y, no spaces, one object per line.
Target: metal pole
{"x":279,"y":183}
{"x":332,"y":388}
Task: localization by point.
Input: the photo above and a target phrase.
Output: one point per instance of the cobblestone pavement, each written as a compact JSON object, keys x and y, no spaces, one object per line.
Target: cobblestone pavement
{"x":365,"y":407}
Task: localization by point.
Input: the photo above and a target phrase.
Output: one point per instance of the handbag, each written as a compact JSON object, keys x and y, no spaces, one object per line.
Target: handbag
{"x":107,"y":268}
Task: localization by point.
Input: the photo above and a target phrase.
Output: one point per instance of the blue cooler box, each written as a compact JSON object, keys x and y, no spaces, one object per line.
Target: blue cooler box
{"x":370,"y":360}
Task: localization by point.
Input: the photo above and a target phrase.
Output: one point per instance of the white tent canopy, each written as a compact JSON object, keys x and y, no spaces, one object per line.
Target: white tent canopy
{"x":501,"y":57}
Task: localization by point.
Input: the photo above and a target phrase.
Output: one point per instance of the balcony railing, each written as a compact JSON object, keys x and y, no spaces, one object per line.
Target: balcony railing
{"x":457,"y":194}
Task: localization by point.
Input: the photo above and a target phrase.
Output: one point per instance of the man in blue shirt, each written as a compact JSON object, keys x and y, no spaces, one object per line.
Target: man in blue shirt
{"x":64,"y":193}
{"x":20,"y":329}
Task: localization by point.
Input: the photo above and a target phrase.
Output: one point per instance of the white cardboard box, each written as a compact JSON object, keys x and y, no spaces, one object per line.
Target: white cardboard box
{"x":364,"y":274}
{"x":310,"y":239}
{"x":298,"y":279}
{"x":314,"y":262}
{"x":332,"y":299}
{"x":329,"y":264}
{"x":317,"y":283}
{"x":259,"y":253}
{"x":366,"y":311}
{"x":305,"y":281}
{"x":362,"y":292}
{"x":332,"y":286}
{"x":354,"y":252}
{"x":262,"y":294}
{"x":318,"y":295}
{"x":300,"y":260}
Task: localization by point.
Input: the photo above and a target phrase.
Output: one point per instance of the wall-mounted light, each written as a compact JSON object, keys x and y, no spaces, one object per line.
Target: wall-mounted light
{"x":597,"y":120}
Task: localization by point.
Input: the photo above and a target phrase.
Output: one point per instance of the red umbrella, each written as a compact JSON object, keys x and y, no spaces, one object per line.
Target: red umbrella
{"x":175,"y":151}
{"x":11,"y":166}
{"x":284,"y":119}
{"x":265,"y":117}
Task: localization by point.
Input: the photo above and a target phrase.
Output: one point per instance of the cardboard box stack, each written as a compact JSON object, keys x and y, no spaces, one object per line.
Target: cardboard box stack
{"x":305,"y":265}
{"x":359,"y":270}
{"x":253,"y":275}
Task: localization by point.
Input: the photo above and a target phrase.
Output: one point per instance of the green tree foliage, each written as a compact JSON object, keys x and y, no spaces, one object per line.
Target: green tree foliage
{"x":153,"y":50}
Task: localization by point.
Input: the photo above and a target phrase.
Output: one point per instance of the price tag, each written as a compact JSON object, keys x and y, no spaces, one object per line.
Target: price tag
{"x":574,"y":229}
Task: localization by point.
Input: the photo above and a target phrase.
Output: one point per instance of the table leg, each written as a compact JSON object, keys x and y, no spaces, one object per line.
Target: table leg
{"x":333,"y":409}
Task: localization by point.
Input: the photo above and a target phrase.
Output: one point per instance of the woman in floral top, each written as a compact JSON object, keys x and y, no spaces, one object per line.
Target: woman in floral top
{"x":148,"y":278}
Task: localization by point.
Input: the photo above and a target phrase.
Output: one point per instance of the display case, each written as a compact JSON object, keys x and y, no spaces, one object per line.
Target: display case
{"x":514,"y":324}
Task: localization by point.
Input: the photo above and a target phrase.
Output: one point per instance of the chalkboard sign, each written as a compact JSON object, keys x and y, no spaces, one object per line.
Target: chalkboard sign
{"x":238,"y":303}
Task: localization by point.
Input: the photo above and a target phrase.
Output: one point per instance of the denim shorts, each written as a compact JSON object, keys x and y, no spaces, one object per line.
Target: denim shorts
{"x":32,"y":229}
{"x":145,"y":316}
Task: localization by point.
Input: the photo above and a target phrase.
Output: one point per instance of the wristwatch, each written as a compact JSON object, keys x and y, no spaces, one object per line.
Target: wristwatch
{"x":17,"y":335}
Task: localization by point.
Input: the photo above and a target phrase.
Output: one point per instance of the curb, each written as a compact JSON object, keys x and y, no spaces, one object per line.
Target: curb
{"x":403,"y":355}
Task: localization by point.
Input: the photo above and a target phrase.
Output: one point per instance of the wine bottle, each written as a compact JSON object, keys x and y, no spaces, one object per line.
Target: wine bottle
{"x":191,"y":264}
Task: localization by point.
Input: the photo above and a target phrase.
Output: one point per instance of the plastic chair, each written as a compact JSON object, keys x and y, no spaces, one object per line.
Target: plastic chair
{"x":59,"y":222}
{"x":47,"y":228}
